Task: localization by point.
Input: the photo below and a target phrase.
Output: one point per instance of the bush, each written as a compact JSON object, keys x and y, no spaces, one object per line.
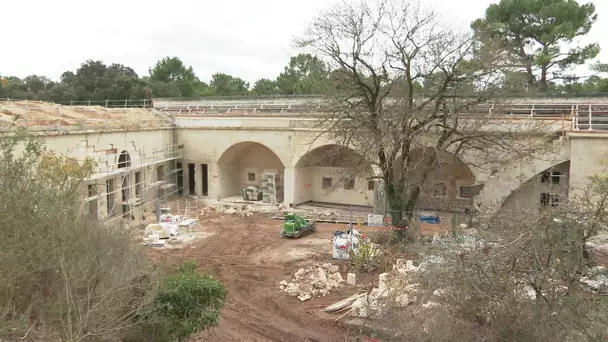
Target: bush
{"x":525,"y":286}
{"x":188,"y":302}
{"x":366,"y":257}
{"x":64,"y":277}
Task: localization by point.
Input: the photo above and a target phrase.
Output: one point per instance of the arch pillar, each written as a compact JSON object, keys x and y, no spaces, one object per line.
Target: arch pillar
{"x":290,"y":186}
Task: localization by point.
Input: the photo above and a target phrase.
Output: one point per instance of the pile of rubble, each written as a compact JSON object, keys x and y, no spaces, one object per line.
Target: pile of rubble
{"x":244,"y":210}
{"x":598,"y":248}
{"x":596,"y":280}
{"x":313,"y":280}
{"x":394,"y":290}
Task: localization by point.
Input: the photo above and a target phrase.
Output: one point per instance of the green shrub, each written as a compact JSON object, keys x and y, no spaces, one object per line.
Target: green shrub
{"x":367,"y":256}
{"x":188,"y":302}
{"x":62,"y":276}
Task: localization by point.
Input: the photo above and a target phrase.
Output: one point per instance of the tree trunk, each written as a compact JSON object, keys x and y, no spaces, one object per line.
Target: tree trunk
{"x":401,"y":203}
{"x":542,"y":83}
{"x":530,"y":74}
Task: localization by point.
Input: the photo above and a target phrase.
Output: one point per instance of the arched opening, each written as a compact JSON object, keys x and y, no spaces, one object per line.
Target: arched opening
{"x":333,"y":174}
{"x":547,"y":189}
{"x":252,"y":171}
{"x":124,"y":160}
{"x":449,"y":181}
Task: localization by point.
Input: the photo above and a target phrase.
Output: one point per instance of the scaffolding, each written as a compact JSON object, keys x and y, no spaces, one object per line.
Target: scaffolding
{"x":556,"y":191}
{"x":133,"y":187}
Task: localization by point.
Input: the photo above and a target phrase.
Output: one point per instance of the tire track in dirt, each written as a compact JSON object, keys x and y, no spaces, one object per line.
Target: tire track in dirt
{"x":241,"y":254}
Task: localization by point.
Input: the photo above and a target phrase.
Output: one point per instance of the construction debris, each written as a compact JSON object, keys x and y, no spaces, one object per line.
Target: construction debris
{"x":596,"y":280}
{"x":394,"y":290}
{"x":243,"y":209}
{"x":349,"y":241}
{"x":345,"y":303}
{"x":313,"y":280}
{"x":351,"y":279}
{"x":598,"y":248}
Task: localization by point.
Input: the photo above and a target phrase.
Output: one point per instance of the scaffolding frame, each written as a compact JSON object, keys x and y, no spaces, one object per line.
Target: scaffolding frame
{"x":559,"y":189}
{"x":137,"y":187}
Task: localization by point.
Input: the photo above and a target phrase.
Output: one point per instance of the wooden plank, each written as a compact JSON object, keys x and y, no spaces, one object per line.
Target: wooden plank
{"x":344,"y":303}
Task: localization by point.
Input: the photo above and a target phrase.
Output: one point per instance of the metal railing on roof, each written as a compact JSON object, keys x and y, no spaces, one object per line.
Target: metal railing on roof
{"x":587,"y":116}
{"x":583,"y":116}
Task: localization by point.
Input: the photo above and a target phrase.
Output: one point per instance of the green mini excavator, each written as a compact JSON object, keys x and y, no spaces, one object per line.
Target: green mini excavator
{"x":295,"y":226}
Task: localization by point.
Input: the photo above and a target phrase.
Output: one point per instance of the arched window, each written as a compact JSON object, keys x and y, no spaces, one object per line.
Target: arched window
{"x":440,"y":189}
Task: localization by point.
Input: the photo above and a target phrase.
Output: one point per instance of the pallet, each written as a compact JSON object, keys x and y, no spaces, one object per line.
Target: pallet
{"x":326,"y":220}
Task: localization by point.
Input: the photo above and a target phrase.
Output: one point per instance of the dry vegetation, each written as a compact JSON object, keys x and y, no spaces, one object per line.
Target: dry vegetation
{"x":40,"y":114}
{"x":64,"y":277}
{"x":518,"y":279}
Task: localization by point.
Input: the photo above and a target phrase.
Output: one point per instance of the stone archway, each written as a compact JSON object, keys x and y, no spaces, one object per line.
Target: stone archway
{"x":548,"y":188}
{"x":448,"y":184}
{"x":501,"y":186}
{"x":245,"y":164}
{"x":333,"y":174}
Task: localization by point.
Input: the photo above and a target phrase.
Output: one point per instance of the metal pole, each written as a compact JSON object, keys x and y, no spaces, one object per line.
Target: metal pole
{"x":590,"y":118}
{"x":350,"y":224}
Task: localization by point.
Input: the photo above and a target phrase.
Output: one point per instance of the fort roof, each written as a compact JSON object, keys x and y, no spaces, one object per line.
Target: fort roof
{"x":60,"y":117}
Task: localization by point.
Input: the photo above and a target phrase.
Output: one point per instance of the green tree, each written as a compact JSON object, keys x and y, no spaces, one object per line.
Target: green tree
{"x":173,"y":70}
{"x":226,"y":85}
{"x":305,"y":74}
{"x":264,"y":86}
{"x":188,"y":302}
{"x":37,"y":84}
{"x":533,"y":33}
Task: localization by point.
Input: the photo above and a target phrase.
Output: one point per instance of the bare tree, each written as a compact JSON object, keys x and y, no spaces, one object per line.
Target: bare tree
{"x":383,"y":52}
{"x":530,"y":277}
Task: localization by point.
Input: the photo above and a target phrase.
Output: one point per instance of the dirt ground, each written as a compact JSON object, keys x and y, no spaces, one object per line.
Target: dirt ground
{"x":248,"y":255}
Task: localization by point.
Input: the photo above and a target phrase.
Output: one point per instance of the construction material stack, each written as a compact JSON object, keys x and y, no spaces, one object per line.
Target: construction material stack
{"x":295,"y":226}
{"x":272,"y":188}
{"x":252,"y":193}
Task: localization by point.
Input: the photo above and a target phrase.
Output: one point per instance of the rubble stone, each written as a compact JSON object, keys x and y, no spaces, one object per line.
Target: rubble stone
{"x":313,"y":280}
{"x":403,"y":300}
{"x":382,"y":281}
{"x":351,"y":279}
{"x":292,"y":289}
{"x":429,"y":305}
{"x":405,"y":266}
{"x":304,"y":297}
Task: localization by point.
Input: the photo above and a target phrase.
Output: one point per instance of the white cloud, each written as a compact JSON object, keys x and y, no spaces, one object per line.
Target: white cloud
{"x":249,"y":39}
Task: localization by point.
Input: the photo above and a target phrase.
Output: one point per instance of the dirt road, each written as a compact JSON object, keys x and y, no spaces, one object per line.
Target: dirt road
{"x":251,"y":259}
{"x":248,"y":255}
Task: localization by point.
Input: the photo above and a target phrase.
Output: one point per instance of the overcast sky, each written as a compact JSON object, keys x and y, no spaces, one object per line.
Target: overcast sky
{"x":245,"y":38}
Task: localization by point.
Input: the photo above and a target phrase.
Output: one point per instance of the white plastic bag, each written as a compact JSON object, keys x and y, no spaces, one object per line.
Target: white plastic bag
{"x":342,"y":244}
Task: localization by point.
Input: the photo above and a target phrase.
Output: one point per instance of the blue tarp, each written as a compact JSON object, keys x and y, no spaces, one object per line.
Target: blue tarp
{"x":429,"y":219}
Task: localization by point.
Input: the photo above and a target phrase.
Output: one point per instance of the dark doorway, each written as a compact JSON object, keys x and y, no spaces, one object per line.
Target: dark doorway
{"x":110,"y":196}
{"x":180,"y":178}
{"x":191,"y":179}
{"x":124,"y":160}
{"x":205,"y":176}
